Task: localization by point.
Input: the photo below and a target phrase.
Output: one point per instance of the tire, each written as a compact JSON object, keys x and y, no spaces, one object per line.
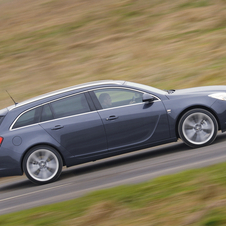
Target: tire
{"x":198,"y":128}
{"x":42,"y":164}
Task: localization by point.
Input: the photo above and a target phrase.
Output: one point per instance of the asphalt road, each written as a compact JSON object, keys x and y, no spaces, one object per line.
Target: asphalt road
{"x":19,"y":193}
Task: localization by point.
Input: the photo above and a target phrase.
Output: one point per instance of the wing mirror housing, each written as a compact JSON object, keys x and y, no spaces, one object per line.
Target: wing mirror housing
{"x":148,"y":98}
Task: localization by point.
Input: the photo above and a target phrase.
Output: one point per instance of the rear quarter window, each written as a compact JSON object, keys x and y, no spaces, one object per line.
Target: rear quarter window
{"x":28,"y":118}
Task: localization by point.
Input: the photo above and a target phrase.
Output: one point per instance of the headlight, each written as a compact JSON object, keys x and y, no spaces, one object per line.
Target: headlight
{"x":219,"y":96}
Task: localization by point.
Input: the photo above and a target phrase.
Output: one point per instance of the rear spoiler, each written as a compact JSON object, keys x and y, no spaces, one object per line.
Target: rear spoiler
{"x":3,"y":112}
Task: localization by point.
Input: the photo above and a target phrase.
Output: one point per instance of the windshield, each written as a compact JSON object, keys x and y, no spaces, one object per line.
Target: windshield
{"x":145,"y":87}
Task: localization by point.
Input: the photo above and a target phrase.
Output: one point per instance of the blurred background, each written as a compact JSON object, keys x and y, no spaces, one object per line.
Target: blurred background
{"x":169,"y":44}
{"x":51,"y":44}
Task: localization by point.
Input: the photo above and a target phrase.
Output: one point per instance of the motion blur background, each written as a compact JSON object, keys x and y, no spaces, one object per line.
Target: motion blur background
{"x":51,"y":44}
{"x":169,"y":44}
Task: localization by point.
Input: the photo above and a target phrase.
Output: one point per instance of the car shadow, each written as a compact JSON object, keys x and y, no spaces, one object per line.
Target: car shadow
{"x":101,"y":165}
{"x":122,"y":160}
{"x":15,"y":185}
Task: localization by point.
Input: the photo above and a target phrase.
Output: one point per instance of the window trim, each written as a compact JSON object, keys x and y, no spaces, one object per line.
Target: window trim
{"x":11,"y":127}
{"x":90,"y":112}
{"x":91,"y":108}
{"x":99,"y":108}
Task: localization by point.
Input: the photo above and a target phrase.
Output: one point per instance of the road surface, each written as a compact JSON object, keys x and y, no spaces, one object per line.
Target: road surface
{"x":19,"y":193}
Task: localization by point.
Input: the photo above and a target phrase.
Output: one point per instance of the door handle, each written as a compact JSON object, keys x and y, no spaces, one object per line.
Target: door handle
{"x":112,"y":117}
{"x":57,"y":127}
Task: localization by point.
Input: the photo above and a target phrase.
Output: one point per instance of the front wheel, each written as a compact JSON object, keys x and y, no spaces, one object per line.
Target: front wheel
{"x":42,"y":164}
{"x":197,"y":128}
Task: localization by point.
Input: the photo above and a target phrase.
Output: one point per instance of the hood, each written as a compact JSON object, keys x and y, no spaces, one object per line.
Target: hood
{"x":200,"y":90}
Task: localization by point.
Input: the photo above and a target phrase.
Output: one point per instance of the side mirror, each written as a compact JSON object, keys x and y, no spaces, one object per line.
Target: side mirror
{"x":148,"y":98}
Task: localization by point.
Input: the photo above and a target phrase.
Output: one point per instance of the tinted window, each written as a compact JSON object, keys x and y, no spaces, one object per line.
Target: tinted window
{"x":46,"y":113}
{"x":28,"y":118}
{"x":70,"y":106}
{"x":117,"y":97}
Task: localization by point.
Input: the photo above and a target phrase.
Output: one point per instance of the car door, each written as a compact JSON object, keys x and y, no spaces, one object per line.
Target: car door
{"x":128,"y":121}
{"x":71,"y":122}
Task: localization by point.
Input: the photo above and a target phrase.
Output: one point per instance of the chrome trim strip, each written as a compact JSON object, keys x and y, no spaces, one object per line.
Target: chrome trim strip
{"x":121,"y":87}
{"x":70,"y":116}
{"x":68,"y":89}
{"x":38,"y":123}
{"x":10,"y":129}
{"x":127,"y":89}
{"x":125,"y":106}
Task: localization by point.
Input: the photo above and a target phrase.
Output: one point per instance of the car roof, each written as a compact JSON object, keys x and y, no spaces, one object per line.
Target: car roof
{"x":71,"y":88}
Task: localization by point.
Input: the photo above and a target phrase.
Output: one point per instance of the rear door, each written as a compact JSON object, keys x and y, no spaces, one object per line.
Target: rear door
{"x":75,"y":126}
{"x":127,"y":120}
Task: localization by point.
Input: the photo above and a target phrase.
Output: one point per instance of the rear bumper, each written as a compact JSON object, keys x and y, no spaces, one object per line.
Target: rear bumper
{"x":9,"y":166}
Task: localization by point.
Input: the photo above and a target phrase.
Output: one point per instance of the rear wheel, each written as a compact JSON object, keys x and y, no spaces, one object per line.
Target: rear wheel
{"x":197,"y":128}
{"x":42,"y":164}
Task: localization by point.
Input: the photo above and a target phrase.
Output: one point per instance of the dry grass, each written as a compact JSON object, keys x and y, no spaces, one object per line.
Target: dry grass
{"x":183,"y":208}
{"x":188,"y":207}
{"x":51,"y":44}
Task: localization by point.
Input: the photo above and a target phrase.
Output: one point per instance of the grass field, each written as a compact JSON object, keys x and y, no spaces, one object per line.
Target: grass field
{"x":194,"y":198}
{"x":51,"y":44}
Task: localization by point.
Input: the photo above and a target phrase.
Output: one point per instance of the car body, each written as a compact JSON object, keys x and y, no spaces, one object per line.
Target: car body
{"x":100,"y":119}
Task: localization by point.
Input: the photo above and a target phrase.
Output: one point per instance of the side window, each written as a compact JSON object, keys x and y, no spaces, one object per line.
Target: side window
{"x":73,"y":105}
{"x":115,"y":97}
{"x":28,"y":118}
{"x":46,"y":113}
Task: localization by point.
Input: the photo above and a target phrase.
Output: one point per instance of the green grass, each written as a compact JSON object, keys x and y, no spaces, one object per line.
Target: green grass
{"x":194,"y":197}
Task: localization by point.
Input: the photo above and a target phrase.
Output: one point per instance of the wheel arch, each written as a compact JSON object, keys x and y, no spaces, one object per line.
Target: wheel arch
{"x":40,"y":144}
{"x":194,"y":107}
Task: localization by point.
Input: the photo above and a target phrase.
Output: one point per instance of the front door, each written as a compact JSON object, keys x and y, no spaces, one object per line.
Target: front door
{"x":128,"y":121}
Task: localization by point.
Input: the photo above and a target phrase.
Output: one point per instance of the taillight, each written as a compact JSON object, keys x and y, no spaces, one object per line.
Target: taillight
{"x":1,"y":139}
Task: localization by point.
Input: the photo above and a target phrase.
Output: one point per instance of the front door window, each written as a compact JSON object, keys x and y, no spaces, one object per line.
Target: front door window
{"x":115,"y":97}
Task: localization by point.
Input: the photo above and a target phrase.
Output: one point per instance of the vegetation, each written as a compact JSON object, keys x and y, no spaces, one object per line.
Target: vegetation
{"x":194,"y":197}
{"x":51,"y":44}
